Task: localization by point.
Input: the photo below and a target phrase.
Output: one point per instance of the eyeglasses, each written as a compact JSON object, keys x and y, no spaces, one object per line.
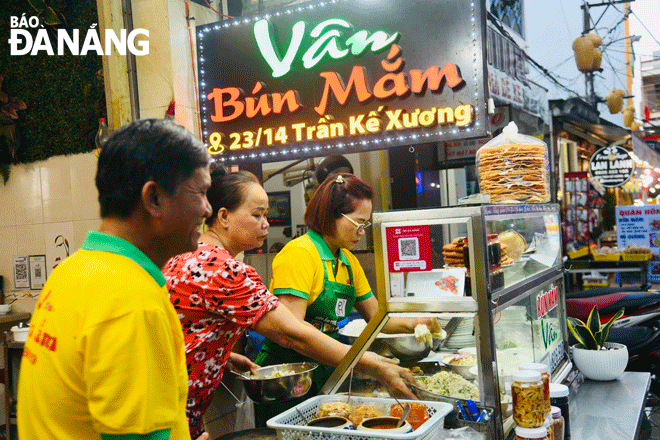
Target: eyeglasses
{"x":359,"y":226}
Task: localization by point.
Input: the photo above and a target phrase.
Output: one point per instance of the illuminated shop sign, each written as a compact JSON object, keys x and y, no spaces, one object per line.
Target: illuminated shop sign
{"x":341,"y":76}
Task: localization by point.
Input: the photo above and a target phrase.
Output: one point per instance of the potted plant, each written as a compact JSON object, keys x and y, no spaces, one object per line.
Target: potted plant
{"x":596,"y":358}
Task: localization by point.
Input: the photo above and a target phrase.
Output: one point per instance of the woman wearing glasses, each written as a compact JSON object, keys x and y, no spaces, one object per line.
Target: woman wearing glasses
{"x":318,"y":278}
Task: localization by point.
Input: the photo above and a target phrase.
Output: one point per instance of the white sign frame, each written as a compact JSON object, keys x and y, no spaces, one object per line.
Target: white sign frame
{"x":21,"y":273}
{"x":38,"y":272}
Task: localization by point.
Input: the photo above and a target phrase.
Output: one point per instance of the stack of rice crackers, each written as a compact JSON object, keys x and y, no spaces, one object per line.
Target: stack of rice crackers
{"x":514,"y":173}
{"x":452,"y":253}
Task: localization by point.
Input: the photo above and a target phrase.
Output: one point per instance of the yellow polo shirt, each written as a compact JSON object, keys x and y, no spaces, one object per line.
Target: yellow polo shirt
{"x":298,"y":270}
{"x":105,"y":355}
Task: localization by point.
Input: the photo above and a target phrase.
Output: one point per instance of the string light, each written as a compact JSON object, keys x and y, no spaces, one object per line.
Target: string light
{"x":364,"y":144}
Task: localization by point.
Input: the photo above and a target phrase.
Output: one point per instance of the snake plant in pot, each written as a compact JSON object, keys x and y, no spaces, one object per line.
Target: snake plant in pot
{"x":594,"y":356}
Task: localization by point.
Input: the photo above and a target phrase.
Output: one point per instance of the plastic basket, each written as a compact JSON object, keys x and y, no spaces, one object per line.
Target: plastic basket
{"x":607,"y":257}
{"x":636,"y":257}
{"x":579,"y":253}
{"x":290,"y":425}
{"x":487,"y":428}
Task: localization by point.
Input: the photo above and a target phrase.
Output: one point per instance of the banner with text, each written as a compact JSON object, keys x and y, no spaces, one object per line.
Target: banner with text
{"x":342,"y":76}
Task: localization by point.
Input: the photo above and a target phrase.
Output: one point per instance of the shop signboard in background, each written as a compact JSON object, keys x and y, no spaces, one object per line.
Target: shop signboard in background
{"x":341,"y":76}
{"x":457,"y":150}
{"x":640,"y":226}
{"x":612,"y":166}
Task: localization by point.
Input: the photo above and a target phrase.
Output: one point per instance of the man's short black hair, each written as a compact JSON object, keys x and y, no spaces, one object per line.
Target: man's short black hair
{"x":145,"y":150}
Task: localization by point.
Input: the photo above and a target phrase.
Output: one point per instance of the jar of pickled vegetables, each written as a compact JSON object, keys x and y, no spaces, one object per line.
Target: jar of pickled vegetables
{"x":531,"y":433}
{"x":557,"y":424}
{"x":548,"y":426}
{"x":528,"y":402}
{"x":545,"y":376}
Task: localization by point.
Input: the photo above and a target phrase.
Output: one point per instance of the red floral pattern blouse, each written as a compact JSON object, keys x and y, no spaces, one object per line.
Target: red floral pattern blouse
{"x":216,"y":298}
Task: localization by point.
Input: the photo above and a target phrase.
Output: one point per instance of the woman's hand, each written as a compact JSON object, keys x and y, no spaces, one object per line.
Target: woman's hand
{"x":204,"y":436}
{"x":432,"y":323}
{"x":389,"y":374}
{"x":239,"y":363}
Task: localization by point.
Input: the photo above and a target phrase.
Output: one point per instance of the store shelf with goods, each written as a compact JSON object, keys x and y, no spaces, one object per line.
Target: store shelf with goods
{"x":580,"y":208}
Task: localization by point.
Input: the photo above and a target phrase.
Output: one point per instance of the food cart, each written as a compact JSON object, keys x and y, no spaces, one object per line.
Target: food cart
{"x":521,"y":319}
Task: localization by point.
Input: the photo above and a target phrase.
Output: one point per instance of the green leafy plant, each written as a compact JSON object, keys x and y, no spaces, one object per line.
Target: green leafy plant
{"x":592,"y":335}
{"x":65,"y":94}
{"x":47,"y":14}
{"x":9,"y":139}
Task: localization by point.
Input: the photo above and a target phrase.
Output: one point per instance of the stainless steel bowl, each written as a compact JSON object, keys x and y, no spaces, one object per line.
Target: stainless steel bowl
{"x":463,"y":370}
{"x":407,"y":348}
{"x":404,"y":347}
{"x":423,"y":394}
{"x":263,"y":387}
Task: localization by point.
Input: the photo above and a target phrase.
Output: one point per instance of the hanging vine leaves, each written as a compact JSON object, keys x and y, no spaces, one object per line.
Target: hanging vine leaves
{"x":64,"y":94}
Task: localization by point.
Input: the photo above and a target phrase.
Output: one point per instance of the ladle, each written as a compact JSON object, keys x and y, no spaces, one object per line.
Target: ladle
{"x":239,"y":403}
{"x":406,"y":411}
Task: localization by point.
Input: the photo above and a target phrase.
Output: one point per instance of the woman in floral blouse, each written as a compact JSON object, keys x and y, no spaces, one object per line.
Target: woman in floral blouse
{"x":218,"y":297}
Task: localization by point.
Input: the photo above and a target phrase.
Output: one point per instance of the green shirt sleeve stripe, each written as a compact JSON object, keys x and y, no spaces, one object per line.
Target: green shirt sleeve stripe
{"x":365,"y":296}
{"x":293,"y":292}
{"x":163,"y":434}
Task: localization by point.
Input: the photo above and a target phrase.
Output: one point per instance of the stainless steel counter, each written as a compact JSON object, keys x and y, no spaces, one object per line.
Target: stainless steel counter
{"x":609,"y":410}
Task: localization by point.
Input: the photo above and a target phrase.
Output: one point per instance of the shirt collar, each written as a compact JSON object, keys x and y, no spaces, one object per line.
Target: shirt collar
{"x":324,"y":250}
{"x":99,"y":241}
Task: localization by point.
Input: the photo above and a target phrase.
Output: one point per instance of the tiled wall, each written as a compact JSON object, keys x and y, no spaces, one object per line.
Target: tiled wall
{"x":60,"y":189}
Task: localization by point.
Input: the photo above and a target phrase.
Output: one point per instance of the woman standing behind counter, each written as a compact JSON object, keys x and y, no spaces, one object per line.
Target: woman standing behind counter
{"x":318,"y":278}
{"x":218,"y":297}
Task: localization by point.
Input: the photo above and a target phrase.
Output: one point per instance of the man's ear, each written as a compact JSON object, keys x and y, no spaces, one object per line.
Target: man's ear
{"x":152,"y":199}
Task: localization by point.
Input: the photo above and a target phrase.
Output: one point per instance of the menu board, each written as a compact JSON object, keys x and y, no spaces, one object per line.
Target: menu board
{"x":640,"y":226}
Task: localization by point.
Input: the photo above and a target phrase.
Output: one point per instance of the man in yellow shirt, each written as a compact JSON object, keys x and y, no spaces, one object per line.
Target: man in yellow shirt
{"x":105,"y":359}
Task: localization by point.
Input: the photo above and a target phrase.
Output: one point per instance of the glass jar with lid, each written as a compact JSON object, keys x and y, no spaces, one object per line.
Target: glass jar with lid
{"x":531,"y":433}
{"x":545,"y":376}
{"x":528,"y":402}
{"x":495,"y":262}
{"x":466,"y":263}
{"x":548,"y":426}
{"x":557,"y":424}
{"x":559,"y":398}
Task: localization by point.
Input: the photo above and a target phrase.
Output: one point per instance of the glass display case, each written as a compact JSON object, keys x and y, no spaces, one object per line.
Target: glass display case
{"x":492,"y":275}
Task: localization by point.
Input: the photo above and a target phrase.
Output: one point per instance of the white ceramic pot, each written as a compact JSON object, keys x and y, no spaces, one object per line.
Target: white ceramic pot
{"x":601,"y":364}
{"x":20,"y":333}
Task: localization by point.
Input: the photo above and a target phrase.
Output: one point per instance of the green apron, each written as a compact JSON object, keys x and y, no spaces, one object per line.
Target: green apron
{"x":333,"y":304}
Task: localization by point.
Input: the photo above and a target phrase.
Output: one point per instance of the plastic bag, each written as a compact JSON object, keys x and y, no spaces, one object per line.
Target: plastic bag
{"x":465,"y":433}
{"x":514,"y":168}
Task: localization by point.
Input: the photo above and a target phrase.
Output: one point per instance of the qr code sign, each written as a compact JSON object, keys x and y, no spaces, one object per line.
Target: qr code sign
{"x":21,"y":270}
{"x":409,"y":248}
